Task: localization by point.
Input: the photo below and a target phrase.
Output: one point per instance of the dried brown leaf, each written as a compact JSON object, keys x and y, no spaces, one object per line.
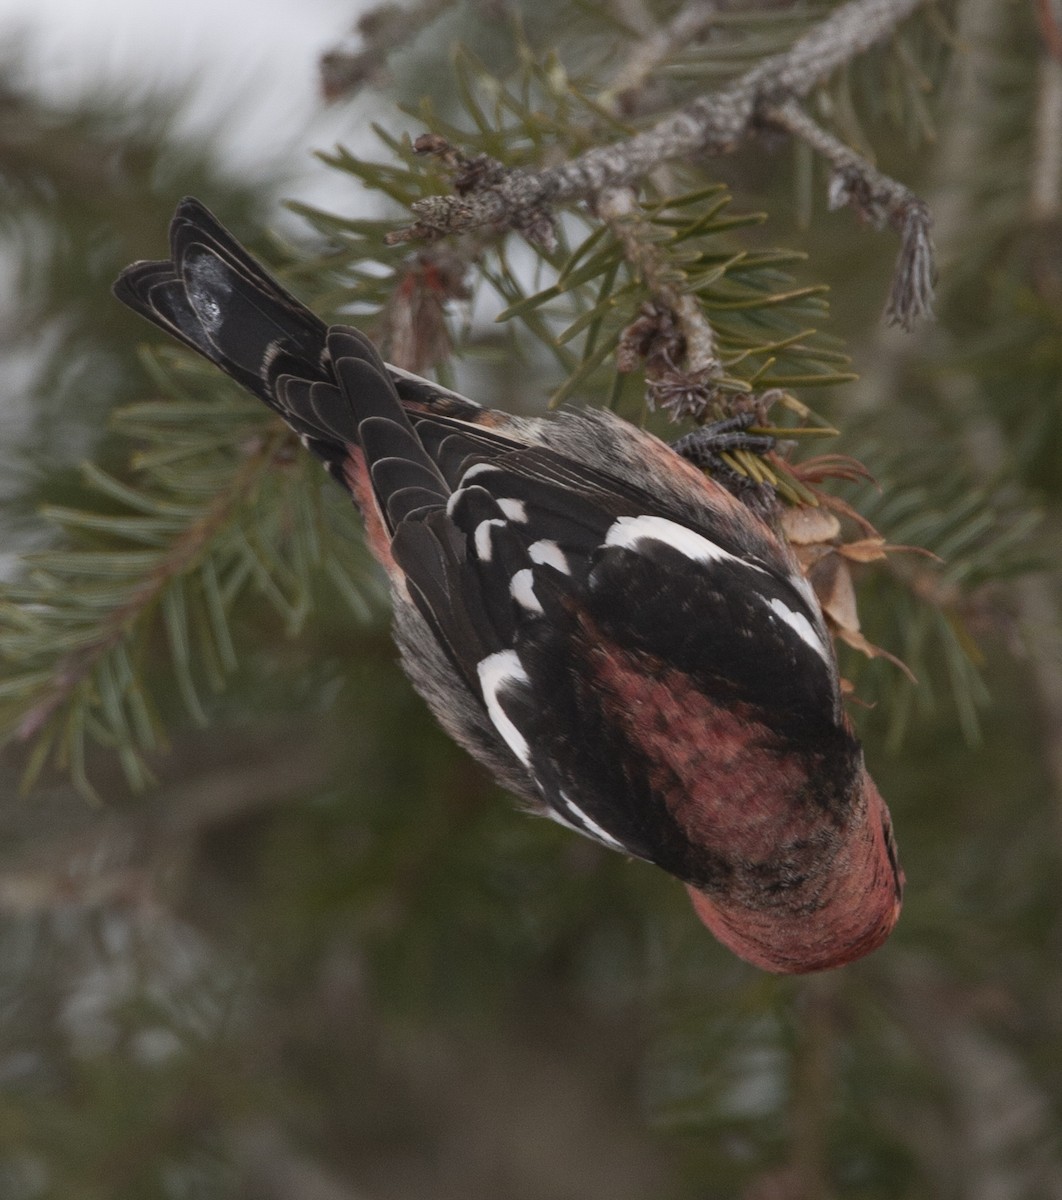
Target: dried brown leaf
{"x":804,"y":525}
{"x":871,"y":549}
{"x":832,"y":581}
{"x":853,"y":638}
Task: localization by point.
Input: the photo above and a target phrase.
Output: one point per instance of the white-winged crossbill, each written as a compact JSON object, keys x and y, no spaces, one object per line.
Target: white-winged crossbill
{"x":626,"y":646}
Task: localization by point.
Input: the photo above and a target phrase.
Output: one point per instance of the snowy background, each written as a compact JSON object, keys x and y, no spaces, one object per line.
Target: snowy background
{"x":251,"y":64}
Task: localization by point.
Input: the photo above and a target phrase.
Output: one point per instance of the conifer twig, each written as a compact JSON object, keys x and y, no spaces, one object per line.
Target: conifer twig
{"x":672,"y":334}
{"x":619,"y":210}
{"x":878,"y":199}
{"x":688,"y":25}
{"x":714,"y":123}
{"x":179,"y":558}
{"x":361,"y":58}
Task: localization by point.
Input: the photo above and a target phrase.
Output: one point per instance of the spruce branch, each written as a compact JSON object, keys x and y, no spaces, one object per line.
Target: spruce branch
{"x":619,"y":209}
{"x":688,"y":25}
{"x":471,"y":174}
{"x":360,"y":59}
{"x":879,"y":199}
{"x":180,"y":557}
{"x":715,"y":123}
{"x":174,"y":555}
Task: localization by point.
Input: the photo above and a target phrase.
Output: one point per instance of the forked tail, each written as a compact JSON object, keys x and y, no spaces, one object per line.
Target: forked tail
{"x":215,"y":298}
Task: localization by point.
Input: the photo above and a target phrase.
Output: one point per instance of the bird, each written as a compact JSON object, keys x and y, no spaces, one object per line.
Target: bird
{"x":623,"y":643}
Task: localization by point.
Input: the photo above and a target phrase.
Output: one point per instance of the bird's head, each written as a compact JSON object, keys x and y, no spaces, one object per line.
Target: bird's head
{"x":830,"y":918}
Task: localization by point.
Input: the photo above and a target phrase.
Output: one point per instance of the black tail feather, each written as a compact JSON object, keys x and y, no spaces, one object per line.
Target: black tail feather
{"x":325,"y":383}
{"x":215,"y":298}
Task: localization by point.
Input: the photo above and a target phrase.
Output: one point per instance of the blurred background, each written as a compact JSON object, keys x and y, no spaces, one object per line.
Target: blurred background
{"x":321,"y":956}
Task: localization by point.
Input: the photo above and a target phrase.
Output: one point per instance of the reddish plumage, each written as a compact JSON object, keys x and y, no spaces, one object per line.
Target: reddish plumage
{"x":625,"y":645}
{"x":724,"y":788}
{"x":854,"y":906}
{"x":357,"y":481}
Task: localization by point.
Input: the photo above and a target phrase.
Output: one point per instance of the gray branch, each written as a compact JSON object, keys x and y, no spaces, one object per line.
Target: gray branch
{"x":361,"y":58}
{"x":690,"y":24}
{"x":880,"y":200}
{"x":618,"y":208}
{"x":714,"y":123}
